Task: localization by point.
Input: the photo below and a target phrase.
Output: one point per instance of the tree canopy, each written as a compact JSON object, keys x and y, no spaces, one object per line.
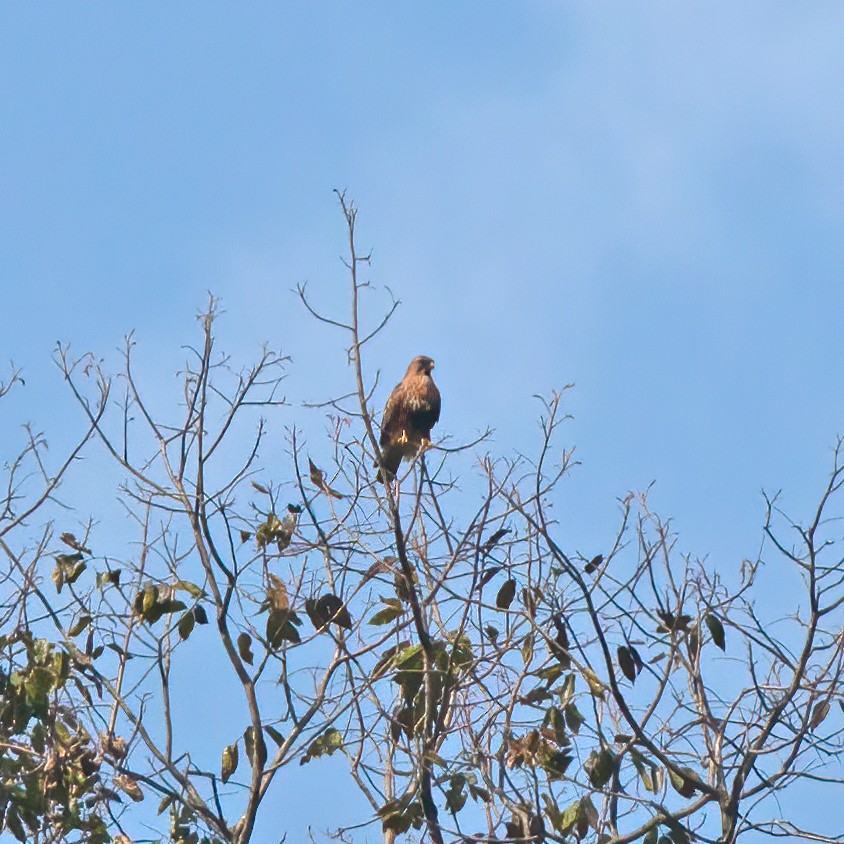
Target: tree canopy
{"x":481,"y":679}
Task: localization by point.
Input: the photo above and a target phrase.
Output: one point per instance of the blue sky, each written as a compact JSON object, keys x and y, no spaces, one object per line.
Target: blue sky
{"x":643,"y":199}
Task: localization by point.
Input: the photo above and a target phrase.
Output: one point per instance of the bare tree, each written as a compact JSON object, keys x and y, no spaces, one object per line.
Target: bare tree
{"x":483,"y":682}
{"x":626,"y":694}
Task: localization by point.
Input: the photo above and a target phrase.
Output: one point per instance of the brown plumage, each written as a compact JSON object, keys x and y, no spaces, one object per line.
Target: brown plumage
{"x":411,"y":411}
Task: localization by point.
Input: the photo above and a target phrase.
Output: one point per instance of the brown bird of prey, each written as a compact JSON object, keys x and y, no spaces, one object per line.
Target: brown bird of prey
{"x":411,"y":411}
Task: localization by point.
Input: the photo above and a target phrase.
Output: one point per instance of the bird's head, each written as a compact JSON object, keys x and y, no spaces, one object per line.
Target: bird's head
{"x":421,"y":365}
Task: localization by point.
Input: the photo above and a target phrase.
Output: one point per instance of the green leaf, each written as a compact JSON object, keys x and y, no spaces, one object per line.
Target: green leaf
{"x":71,"y":541}
{"x":324,"y":745}
{"x":683,"y":781}
{"x":555,"y":763}
{"x":527,"y":649}
{"x":567,"y":691}
{"x":651,"y":835}
{"x":130,"y":787}
{"x":593,"y":565}
{"x":552,"y":812}
{"x":61,"y":667}
{"x":820,"y":712}
{"x":626,"y":664}
{"x":505,"y":595}
{"x":637,"y":660}
{"x":68,"y":569}
{"x":330,"y":607}
{"x":455,"y":797}
{"x":590,"y":813}
{"x":549,"y":674}
{"x":108,"y":577}
{"x":649,"y":780}
{"x":229,"y":762}
{"x":186,"y":623}
{"x":147,"y":599}
{"x":596,"y":687}
{"x":570,"y":818}
{"x":112,"y":646}
{"x":37,"y":737}
{"x":493,"y":540}
{"x":400,"y":815}
{"x":716,"y":630}
{"x":559,"y":645}
{"x":479,"y":793}
{"x":200,"y":615}
{"x":648,"y":772}
{"x":535,"y":695}
{"x":487,"y":574}
{"x":694,"y":642}
{"x":573,"y":718}
{"x":318,"y":480}
{"x":244,"y":648}
{"x":191,"y":588}
{"x":58,"y":580}
{"x":317,"y":620}
{"x":600,"y":766}
{"x":274,"y":734}
{"x":273,"y":530}
{"x":151,"y":607}
{"x":171,"y":605}
{"x":38,"y":686}
{"x":404,"y":587}
{"x":13,"y":823}
{"x":251,"y":748}
{"x":386,"y":615}
{"x":678,"y":834}
{"x":83,"y":621}
{"x":555,"y":720}
{"x":531,"y":598}
{"x":385,"y":661}
{"x":670,"y":622}
{"x":280,"y":628}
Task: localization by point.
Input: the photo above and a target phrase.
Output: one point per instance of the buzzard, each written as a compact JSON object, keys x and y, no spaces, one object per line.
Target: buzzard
{"x":411,"y":411}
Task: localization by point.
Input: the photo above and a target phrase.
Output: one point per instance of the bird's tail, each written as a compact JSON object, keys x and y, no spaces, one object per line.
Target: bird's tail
{"x":391,"y":458}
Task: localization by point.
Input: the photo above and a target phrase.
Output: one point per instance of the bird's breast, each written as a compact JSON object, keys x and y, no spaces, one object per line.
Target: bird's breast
{"x":419,"y":404}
